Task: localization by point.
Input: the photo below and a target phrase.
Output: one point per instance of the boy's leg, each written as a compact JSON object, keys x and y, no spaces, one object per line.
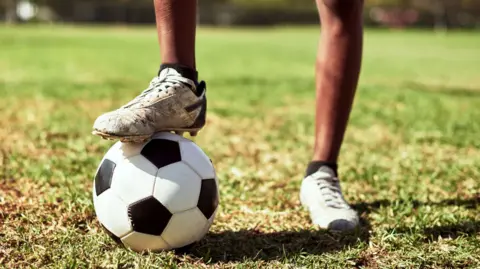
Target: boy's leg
{"x":337,"y":72}
{"x":174,"y":100}
{"x":176,"y":25}
{"x":338,"y":68}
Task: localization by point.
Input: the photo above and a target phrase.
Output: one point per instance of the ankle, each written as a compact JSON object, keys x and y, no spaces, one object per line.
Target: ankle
{"x":185,"y":71}
{"x":314,"y":166}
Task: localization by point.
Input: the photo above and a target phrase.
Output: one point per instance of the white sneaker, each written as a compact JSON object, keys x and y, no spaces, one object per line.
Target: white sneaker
{"x":322,"y":196}
{"x":171,"y":103}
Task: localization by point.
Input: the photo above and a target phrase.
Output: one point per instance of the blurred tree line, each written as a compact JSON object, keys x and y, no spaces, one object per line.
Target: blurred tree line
{"x":389,"y":13}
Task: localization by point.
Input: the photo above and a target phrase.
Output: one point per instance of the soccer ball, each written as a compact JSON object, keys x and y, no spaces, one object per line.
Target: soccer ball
{"x":160,"y":195}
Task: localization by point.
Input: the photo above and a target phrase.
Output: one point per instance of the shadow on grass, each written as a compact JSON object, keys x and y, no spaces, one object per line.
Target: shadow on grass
{"x":466,"y":228}
{"x":235,"y":246}
{"x":452,"y":231}
{"x":254,"y":245}
{"x":431,"y":234}
{"x":470,"y":203}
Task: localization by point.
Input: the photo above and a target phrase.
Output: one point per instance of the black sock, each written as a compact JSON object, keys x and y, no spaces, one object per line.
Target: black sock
{"x":185,"y":71}
{"x":315,"y":165}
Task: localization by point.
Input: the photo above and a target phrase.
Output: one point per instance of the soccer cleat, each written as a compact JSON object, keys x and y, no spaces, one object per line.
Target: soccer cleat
{"x":321,"y":194}
{"x":172,"y":103}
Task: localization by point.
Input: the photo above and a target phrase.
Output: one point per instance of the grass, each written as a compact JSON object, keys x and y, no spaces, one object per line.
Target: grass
{"x":409,"y":164}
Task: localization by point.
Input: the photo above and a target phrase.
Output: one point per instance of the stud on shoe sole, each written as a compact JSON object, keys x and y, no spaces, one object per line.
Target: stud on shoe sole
{"x":124,"y":139}
{"x":180,"y":133}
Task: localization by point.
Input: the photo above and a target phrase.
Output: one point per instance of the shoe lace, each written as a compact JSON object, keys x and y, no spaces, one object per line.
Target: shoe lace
{"x":330,"y":190}
{"x":160,"y":84}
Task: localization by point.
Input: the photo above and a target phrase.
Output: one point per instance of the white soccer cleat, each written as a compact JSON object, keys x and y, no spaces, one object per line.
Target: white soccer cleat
{"x":322,"y":196}
{"x":172,"y":103}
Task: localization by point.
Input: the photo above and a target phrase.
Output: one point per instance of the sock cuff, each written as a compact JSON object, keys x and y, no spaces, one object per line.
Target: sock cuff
{"x":185,"y":71}
{"x":314,"y":166}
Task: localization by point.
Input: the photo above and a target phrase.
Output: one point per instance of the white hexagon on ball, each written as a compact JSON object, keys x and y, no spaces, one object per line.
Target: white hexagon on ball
{"x":112,"y":212}
{"x":129,"y":150}
{"x":133,"y":179}
{"x":144,"y":242}
{"x":185,"y":228}
{"x":197,"y":159}
{"x":177,"y":187}
{"x":114,"y":153}
{"x":169,"y":136}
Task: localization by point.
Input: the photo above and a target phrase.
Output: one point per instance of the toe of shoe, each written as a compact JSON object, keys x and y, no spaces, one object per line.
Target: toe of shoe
{"x":342,"y":225}
{"x":105,"y":122}
{"x":336,"y":220}
{"x":114,"y":122}
{"x":123,"y":123}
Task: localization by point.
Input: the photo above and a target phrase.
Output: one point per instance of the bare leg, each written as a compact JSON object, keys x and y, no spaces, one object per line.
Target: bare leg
{"x":176,"y":25}
{"x":337,"y":71}
{"x":338,"y":68}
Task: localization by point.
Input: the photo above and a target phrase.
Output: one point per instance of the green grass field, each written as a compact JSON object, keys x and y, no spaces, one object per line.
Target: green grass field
{"x":409,"y":165}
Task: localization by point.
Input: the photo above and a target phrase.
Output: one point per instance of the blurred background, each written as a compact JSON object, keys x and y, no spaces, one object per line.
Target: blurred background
{"x":409,"y":163}
{"x":437,"y":14}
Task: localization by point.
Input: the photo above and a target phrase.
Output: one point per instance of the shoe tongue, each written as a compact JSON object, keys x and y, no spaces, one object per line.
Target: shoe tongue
{"x":327,"y":170}
{"x":169,"y":72}
{"x":180,"y":70}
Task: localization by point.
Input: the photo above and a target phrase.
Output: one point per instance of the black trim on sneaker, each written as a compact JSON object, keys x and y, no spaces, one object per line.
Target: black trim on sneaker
{"x":185,"y":71}
{"x":195,"y":105}
{"x":202,"y":116}
{"x":201,"y":88}
{"x":314,"y":166}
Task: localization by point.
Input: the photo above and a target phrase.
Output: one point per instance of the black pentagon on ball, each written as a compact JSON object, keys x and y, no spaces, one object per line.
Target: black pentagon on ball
{"x":208,"y":200}
{"x":149,"y":216}
{"x":103,"y":178}
{"x":162,"y":152}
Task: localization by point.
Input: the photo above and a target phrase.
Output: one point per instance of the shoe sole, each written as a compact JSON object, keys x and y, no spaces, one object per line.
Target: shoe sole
{"x":144,"y":138}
